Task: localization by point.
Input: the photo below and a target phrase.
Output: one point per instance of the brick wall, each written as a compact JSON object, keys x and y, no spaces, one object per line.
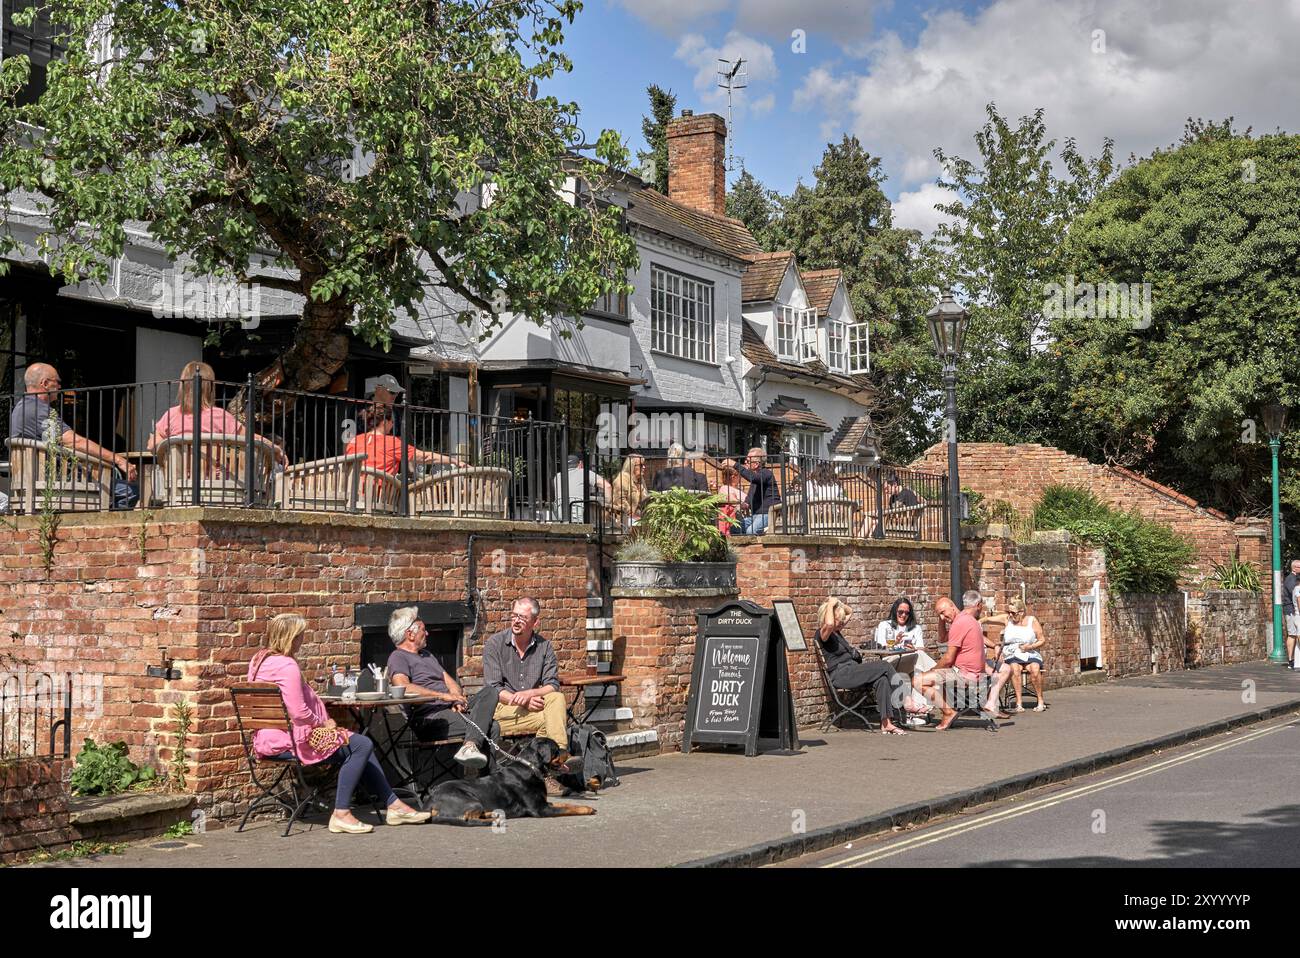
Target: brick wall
{"x":1227,"y":627}
{"x":1143,"y":633}
{"x":697,"y":162}
{"x":1018,"y":475}
{"x":33,"y":806}
{"x":210,"y":580}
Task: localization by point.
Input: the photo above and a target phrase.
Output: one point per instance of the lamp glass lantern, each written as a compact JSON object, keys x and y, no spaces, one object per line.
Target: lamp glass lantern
{"x":948,"y":322}
{"x":1274,"y":416}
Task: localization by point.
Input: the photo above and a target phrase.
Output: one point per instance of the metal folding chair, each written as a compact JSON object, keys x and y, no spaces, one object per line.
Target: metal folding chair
{"x":844,"y":699}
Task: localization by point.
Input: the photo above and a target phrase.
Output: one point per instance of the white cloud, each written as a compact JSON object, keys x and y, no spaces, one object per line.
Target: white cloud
{"x":673,"y":16}
{"x":914,"y":210}
{"x":1162,"y":63}
{"x":763,"y":105}
{"x":760,"y":64}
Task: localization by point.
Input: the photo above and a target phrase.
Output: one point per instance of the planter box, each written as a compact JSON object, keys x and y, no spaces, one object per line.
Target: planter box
{"x":674,"y":575}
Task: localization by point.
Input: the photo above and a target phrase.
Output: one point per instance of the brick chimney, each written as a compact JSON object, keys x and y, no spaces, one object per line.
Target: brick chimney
{"x":697,"y":152}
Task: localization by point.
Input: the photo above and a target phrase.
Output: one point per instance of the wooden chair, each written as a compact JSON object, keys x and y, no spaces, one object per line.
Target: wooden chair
{"x":381,"y":492}
{"x":474,"y":491}
{"x":826,"y":517}
{"x":322,"y":485}
{"x":74,"y":481}
{"x":282,"y":781}
{"x":222,"y":464}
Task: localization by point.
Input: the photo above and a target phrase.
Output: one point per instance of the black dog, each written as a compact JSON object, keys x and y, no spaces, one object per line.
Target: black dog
{"x":515,"y":790}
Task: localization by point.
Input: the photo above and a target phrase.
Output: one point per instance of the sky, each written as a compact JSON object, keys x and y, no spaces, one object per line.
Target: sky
{"x":907,"y":76}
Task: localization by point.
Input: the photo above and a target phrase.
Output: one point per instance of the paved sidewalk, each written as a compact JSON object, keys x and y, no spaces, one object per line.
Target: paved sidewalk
{"x":674,"y":809}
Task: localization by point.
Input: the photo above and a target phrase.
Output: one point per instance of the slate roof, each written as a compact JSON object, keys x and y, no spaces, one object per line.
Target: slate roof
{"x":796,"y":412}
{"x":763,"y":276}
{"x":720,"y":234}
{"x":820,"y":285}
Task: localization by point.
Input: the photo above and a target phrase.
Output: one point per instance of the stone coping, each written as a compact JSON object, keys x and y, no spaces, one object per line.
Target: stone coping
{"x":775,"y":539}
{"x":104,"y":808}
{"x":672,"y":593}
{"x":133,"y":518}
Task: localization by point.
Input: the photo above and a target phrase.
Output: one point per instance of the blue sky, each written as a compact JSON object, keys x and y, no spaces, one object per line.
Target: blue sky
{"x":908,"y":76}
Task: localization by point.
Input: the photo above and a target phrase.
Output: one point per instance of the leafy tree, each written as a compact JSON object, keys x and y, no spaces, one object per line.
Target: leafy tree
{"x":337,"y":133}
{"x":845,"y":220}
{"x":1213,"y":225}
{"x":663,"y":104}
{"x":1002,"y":248}
{"x":756,"y":206}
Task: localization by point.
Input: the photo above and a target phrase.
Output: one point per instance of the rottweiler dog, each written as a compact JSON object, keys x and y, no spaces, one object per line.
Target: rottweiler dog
{"x":514,"y":790}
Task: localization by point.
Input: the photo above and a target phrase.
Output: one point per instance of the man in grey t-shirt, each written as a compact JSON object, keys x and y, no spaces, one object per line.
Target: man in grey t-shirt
{"x":33,"y":418}
{"x":1290,"y":614}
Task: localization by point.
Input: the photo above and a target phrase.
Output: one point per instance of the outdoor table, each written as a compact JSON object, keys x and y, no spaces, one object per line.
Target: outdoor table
{"x":363,"y":713}
{"x":144,"y":463}
{"x":581,"y":681}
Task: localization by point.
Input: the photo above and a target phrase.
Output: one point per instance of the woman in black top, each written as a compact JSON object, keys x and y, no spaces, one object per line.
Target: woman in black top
{"x":848,"y":671}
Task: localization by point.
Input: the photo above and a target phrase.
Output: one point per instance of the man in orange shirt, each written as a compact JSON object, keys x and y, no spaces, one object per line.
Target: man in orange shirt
{"x":963,"y":662}
{"x":384,"y":450}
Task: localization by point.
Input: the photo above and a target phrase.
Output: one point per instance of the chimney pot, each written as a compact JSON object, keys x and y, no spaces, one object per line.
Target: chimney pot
{"x":688,"y":112}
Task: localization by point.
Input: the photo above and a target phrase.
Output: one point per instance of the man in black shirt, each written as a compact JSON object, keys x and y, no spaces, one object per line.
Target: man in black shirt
{"x":677,"y":474}
{"x":1289,"y":612}
{"x":763,"y":491}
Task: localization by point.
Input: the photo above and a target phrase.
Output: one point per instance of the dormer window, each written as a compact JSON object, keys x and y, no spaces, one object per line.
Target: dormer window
{"x":790,"y":323}
{"x":837,"y":359}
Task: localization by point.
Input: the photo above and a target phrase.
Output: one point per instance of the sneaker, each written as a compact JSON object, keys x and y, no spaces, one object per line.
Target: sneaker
{"x":470,"y":756}
{"x":554,"y":789}
{"x":916,"y":720}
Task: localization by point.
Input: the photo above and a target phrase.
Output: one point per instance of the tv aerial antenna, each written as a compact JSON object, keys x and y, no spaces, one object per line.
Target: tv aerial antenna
{"x":732,"y":77}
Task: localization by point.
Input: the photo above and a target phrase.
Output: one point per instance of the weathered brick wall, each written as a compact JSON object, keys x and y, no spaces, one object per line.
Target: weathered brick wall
{"x":1227,"y":627}
{"x":1143,"y":633}
{"x":657,"y":654}
{"x":211,"y":579}
{"x":1019,"y":474}
{"x":33,"y":806}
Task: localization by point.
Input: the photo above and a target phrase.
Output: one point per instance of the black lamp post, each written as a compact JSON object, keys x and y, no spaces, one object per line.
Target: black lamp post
{"x":1274,"y":424}
{"x":948,"y":329}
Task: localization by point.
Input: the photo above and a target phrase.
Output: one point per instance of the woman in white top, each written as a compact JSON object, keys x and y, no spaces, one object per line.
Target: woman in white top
{"x":1022,"y":644}
{"x":901,"y":630}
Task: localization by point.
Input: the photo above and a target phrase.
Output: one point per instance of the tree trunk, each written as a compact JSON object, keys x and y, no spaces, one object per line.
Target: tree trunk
{"x":320,"y":347}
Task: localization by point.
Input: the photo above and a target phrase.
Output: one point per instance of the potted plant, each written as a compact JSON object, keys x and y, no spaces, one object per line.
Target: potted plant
{"x":677,"y":545}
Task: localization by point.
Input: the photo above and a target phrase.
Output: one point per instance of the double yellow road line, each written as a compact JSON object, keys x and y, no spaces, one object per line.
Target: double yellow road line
{"x":930,"y":836}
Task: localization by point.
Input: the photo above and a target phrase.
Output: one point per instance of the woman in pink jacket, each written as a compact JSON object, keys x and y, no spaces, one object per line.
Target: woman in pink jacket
{"x":316,"y":737}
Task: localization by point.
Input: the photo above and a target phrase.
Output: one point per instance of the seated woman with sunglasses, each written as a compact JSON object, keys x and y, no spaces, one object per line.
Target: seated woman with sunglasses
{"x":902,"y":631}
{"x":1022,"y":645}
{"x":316,"y":737}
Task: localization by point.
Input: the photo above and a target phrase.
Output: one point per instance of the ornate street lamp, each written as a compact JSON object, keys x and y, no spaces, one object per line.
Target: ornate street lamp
{"x":1274,"y":417}
{"x":948,"y":330}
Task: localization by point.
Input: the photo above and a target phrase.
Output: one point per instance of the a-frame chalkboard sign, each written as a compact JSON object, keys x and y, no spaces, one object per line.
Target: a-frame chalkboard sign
{"x":740,"y":683}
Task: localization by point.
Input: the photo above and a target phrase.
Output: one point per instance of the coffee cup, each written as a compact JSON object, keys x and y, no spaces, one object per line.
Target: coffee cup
{"x":397,"y":691}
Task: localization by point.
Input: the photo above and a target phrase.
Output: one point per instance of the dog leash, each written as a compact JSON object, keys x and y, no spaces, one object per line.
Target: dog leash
{"x":500,"y":751}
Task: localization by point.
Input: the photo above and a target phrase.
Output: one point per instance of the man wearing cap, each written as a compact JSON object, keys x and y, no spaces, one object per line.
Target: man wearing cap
{"x":412,"y":665}
{"x":383,"y":448}
{"x":519,"y":665}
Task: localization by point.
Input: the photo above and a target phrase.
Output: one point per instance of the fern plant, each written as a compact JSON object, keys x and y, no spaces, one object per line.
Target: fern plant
{"x":683,"y":526}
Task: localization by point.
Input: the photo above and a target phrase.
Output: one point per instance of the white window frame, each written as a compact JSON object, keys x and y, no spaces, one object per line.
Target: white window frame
{"x":837,"y":346}
{"x":805,"y":444}
{"x":859,"y":349}
{"x":681,"y":315}
{"x":809,"y":346}
{"x":787,"y":333}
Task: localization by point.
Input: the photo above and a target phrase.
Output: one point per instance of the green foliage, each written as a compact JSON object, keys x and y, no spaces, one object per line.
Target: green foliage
{"x":663,"y":104}
{"x":683,"y":526}
{"x":78,"y":849}
{"x":1002,"y":247}
{"x":1235,"y":575}
{"x":1212,"y":224}
{"x":638,"y":550}
{"x":1141,"y":555}
{"x":108,"y":770}
{"x":182,"y":726}
{"x":179,"y":830}
{"x":340,"y":133}
{"x":757,"y":207}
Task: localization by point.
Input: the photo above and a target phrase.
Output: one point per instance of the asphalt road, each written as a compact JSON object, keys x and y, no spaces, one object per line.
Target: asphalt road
{"x":1230,"y":801}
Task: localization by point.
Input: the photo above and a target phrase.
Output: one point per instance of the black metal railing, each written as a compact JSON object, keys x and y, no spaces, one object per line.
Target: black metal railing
{"x":36,"y":714}
{"x":816,"y":496}
{"x":141,"y":444}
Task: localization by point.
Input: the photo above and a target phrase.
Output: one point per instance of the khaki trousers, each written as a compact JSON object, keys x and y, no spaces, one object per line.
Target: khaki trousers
{"x":549,"y":722}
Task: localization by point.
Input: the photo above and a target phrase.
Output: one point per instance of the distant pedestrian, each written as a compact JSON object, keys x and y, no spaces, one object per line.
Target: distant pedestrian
{"x":1291,"y":611}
